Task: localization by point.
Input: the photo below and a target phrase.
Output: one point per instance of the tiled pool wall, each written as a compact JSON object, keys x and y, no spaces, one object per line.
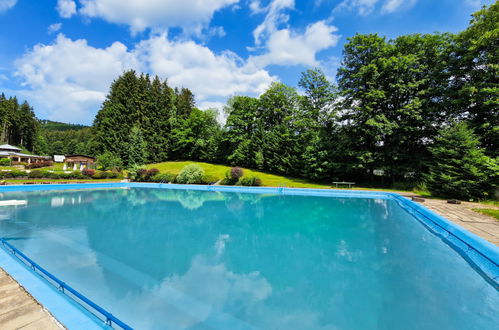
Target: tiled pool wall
{"x":481,"y":254}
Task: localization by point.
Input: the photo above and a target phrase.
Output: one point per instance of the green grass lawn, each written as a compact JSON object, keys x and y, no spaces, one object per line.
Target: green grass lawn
{"x":490,"y":212}
{"x":269,"y":180}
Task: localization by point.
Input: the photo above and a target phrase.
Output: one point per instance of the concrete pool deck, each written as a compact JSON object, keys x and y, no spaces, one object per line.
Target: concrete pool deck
{"x":19,"y":310}
{"x":461,"y":214}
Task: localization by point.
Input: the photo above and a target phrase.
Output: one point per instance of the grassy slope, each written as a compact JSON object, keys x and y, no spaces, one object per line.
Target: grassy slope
{"x":270,"y":180}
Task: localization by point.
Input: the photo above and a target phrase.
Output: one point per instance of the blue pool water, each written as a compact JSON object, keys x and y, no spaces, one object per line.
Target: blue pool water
{"x":183,"y":259}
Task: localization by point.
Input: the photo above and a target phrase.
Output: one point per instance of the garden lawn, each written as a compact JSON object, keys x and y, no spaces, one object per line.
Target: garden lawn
{"x":269,"y":180}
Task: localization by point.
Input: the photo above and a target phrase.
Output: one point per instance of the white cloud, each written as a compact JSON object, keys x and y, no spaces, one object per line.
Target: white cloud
{"x":191,"y":15}
{"x":391,"y":6}
{"x":273,"y":18}
{"x":66,"y":8}
{"x":366,"y":7}
{"x":7,"y":4}
{"x":363,"y":7}
{"x":209,"y":75}
{"x":68,"y":80}
{"x":54,"y":28}
{"x":284,"y":47}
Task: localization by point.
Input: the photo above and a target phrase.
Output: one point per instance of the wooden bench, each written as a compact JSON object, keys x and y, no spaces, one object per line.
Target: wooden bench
{"x":350,"y":184}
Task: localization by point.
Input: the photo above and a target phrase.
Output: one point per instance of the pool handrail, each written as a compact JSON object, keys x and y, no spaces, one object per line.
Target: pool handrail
{"x":109,"y":318}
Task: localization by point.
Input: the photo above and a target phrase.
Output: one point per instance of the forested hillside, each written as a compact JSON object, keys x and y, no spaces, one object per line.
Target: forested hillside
{"x":417,"y":109}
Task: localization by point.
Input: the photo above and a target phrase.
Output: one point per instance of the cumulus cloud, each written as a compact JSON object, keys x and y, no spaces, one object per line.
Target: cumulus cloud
{"x":66,"y":8}
{"x":191,"y":15}
{"x":285,"y":47}
{"x":7,"y":4}
{"x":70,"y":78}
{"x":275,"y":15}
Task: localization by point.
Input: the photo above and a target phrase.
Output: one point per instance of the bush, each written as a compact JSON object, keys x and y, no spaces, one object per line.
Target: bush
{"x":209,"y":179}
{"x":18,"y":174}
{"x":249,"y":181}
{"x":163,"y":177}
{"x":4,"y":162}
{"x":45,"y":163}
{"x":36,"y":174}
{"x":88,"y":172}
{"x":236,"y":173}
{"x":150,"y":173}
{"x":136,"y":173}
{"x":232,"y":176}
{"x":109,"y":161}
{"x":99,"y":175}
{"x":191,"y":173}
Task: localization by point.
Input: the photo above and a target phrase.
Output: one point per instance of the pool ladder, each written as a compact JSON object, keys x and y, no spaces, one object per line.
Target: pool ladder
{"x":280,"y":188}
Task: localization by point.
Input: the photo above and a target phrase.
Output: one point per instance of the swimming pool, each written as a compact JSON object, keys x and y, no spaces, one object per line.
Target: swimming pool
{"x":213,"y":258}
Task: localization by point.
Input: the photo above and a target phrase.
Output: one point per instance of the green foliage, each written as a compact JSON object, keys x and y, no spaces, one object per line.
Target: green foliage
{"x":209,"y":179}
{"x":191,"y":174}
{"x":249,"y":181}
{"x":18,"y":124}
{"x":163,"y":177}
{"x":460,"y":169}
{"x":109,"y":161}
{"x":35,"y":174}
{"x":136,"y":148}
{"x":5,"y":162}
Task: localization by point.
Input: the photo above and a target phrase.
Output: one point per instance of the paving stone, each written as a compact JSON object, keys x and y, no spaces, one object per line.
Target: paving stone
{"x":19,"y":310}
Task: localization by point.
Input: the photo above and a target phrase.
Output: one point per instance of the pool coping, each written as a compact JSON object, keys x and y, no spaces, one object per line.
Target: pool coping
{"x":481,"y":254}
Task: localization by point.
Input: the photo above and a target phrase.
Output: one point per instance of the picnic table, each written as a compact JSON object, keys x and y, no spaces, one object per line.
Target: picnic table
{"x":337,"y":183}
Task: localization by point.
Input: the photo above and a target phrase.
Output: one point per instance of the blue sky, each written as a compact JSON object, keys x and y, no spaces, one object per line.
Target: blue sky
{"x":62,"y":55}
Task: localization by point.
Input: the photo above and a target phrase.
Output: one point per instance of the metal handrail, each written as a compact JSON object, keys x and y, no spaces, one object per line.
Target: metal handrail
{"x":110,"y":318}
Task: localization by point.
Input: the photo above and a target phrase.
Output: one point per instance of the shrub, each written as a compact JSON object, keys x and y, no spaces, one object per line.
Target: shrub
{"x":99,"y":175}
{"x":88,"y":172}
{"x":236,"y":173}
{"x":191,"y":173}
{"x":150,"y":173}
{"x":209,"y":179}
{"x":163,"y":177}
{"x":45,"y":163}
{"x":136,"y":173}
{"x":4,"y":162}
{"x":249,"y":180}
{"x":18,"y":174}
{"x":109,"y":161}
{"x":232,"y":176}
{"x":112,"y":174}
{"x":36,"y":174}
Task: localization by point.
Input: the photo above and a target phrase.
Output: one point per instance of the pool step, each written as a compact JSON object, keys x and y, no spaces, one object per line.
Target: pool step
{"x":13,"y":202}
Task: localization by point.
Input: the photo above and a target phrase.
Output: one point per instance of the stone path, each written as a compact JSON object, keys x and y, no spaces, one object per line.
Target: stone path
{"x":19,"y":310}
{"x":482,"y":225}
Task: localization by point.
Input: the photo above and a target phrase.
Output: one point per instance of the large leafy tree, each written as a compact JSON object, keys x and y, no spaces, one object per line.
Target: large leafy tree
{"x":476,"y":75}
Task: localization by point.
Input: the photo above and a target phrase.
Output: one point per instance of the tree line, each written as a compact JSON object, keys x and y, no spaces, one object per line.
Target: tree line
{"x":417,"y":108}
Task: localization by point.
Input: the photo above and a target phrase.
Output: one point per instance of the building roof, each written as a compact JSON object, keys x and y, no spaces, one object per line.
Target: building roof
{"x":8,"y":147}
{"x":85,"y":156}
